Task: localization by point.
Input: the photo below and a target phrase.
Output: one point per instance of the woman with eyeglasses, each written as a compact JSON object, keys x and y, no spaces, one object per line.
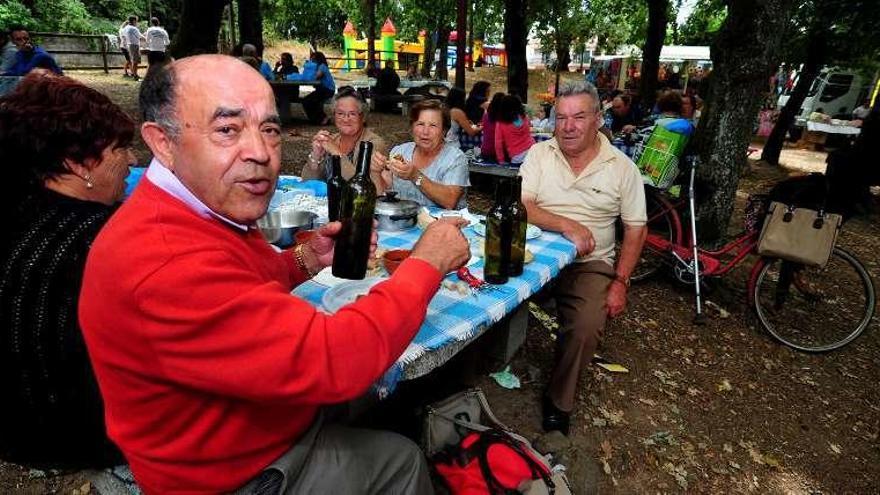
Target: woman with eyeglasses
{"x":349,"y":115}
{"x":427,"y":170}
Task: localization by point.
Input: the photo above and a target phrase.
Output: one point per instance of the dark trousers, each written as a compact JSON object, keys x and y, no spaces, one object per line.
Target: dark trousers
{"x":313,"y":104}
{"x":155,"y":57}
{"x":580,"y":301}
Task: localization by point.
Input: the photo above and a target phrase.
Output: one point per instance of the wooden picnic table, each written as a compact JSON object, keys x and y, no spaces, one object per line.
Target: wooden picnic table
{"x":286,"y":93}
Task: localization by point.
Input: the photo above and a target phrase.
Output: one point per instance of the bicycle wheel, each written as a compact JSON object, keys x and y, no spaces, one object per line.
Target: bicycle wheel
{"x":814,"y":309}
{"x":660,"y":223}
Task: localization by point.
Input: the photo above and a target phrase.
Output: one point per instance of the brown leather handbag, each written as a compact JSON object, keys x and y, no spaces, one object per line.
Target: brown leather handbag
{"x":800,"y":235}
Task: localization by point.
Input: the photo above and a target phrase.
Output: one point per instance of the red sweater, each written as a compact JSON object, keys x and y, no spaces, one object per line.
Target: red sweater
{"x":511,"y":140}
{"x":208,"y":367}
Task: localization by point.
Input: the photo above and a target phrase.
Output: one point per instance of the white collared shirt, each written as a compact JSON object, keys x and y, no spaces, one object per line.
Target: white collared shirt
{"x":164,"y":179}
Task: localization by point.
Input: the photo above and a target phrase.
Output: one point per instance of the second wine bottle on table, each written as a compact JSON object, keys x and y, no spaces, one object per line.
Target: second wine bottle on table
{"x":519,"y":224}
{"x":352,"y":249}
{"x":499,"y":231}
{"x":335,"y":188}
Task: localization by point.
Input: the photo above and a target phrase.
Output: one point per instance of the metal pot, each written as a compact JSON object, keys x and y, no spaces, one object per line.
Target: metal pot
{"x":396,"y":214}
{"x":279,"y":226}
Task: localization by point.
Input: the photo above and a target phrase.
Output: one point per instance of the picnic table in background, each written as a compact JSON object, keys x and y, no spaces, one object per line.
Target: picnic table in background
{"x":287,"y":92}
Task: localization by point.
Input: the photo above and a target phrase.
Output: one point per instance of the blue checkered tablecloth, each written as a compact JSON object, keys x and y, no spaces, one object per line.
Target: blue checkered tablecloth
{"x":453,"y":317}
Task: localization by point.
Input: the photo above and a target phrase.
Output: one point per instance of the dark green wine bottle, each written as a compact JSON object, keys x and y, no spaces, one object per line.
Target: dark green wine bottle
{"x":335,"y":188}
{"x":519,"y":224}
{"x":352,"y":250}
{"x":496,"y":256}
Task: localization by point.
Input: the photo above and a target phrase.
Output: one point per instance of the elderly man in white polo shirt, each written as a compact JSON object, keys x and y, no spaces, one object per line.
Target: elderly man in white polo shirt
{"x":578,"y":184}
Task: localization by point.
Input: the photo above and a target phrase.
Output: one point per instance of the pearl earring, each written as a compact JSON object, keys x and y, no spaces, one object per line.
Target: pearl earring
{"x":88,"y":179}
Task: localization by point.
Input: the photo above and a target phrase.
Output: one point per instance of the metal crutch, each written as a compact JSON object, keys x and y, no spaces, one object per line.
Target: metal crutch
{"x":699,"y":318}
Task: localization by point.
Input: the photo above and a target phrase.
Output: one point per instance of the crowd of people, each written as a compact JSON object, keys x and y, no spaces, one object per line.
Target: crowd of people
{"x":162,"y":330}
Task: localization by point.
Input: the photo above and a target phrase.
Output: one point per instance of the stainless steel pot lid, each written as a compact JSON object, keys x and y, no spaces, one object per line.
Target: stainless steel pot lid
{"x":390,"y":205}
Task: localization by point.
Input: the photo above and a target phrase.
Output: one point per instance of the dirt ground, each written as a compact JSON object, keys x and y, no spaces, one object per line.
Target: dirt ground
{"x":713,"y":409}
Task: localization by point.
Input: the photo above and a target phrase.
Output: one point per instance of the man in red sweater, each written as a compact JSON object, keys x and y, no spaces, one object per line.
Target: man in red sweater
{"x":212,"y":373}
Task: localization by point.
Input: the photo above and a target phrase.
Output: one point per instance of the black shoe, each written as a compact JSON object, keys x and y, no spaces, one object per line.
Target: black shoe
{"x":555,"y":418}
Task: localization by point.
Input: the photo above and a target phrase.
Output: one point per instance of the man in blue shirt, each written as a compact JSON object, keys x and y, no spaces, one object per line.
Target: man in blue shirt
{"x":29,"y":56}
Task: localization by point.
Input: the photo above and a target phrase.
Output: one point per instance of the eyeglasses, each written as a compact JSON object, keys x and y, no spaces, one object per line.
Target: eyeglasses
{"x":351,"y":115}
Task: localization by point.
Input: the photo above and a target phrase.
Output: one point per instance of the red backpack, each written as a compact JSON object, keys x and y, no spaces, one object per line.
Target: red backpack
{"x":490,"y":462}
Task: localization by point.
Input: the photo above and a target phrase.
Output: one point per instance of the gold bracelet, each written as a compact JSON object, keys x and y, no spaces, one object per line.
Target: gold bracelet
{"x":301,"y":261}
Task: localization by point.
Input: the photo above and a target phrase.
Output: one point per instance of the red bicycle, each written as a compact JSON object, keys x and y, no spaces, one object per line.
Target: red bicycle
{"x":811,"y":309}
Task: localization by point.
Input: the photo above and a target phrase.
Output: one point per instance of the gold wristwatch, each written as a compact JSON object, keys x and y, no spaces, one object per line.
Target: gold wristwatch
{"x":418,"y":181}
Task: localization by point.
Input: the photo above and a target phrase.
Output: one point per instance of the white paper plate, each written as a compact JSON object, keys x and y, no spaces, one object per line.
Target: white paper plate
{"x":532,"y":231}
{"x":348,"y":292}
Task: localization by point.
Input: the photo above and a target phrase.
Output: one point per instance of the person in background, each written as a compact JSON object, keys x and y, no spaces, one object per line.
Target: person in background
{"x":7,"y":52}
{"x":372,"y":70}
{"x":29,"y":56}
{"x":579,"y":185}
{"x":477,"y":101}
{"x":513,"y":136}
{"x":412,"y":72}
{"x":490,"y":116}
{"x":350,"y":116}
{"x":157,"y":42}
{"x":690,"y":108}
{"x":313,"y":103}
{"x":862,"y":111}
{"x":285,"y":66}
{"x":123,"y":47}
{"x":66,"y":149}
{"x":132,"y":38}
{"x":427,"y":170}
{"x":462,"y":132}
{"x":622,"y":113}
{"x":253,"y":58}
{"x":213,"y":374}
{"x":387,"y":82}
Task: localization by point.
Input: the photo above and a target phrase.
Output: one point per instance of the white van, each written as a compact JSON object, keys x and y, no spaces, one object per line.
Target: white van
{"x":835,"y":92}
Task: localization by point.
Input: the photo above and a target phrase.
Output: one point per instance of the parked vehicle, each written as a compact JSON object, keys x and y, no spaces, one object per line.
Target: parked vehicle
{"x":835,"y":92}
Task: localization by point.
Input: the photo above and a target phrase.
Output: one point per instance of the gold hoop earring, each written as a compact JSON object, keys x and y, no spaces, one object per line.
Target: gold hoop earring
{"x":88,"y":179}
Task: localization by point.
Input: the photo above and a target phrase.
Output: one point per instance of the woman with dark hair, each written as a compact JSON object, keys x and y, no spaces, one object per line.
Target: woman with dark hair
{"x":285,"y":66}
{"x":66,"y":149}
{"x":487,"y":148}
{"x":462,"y":132}
{"x":428,"y":170}
{"x":477,"y":101}
{"x":313,"y":103}
{"x":513,"y":135}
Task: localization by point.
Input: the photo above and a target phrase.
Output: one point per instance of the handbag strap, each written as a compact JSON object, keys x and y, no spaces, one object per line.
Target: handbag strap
{"x":484,"y":406}
{"x":480,"y":450}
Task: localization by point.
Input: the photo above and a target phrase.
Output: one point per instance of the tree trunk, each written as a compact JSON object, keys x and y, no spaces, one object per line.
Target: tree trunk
{"x":460,"y":42}
{"x":470,"y":36}
{"x":515,"y":40}
{"x":812,"y":65}
{"x":250,"y":23}
{"x":199,"y":26}
{"x":429,"y":56}
{"x":443,"y":46}
{"x":744,"y":54}
{"x":657,"y":20}
{"x":563,"y":55}
{"x":371,"y":33}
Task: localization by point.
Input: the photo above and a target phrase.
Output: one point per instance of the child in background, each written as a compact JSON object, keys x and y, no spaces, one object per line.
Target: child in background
{"x":513,"y":136}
